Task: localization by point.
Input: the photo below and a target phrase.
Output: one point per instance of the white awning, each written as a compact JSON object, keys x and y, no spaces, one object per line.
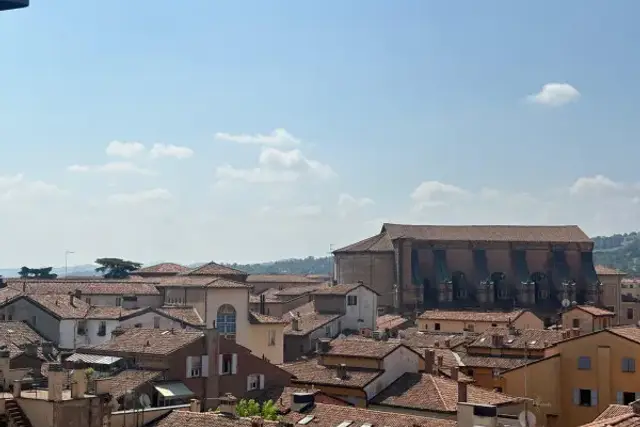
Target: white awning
{"x":93,"y":359}
{"x":173,"y":390}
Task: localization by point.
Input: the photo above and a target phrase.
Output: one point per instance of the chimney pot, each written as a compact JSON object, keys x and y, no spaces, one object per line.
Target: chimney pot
{"x":294,"y":324}
{"x":71,"y":303}
{"x":440,"y":360}
{"x":454,"y":373}
{"x":342,"y":371}
{"x":462,"y":391}
{"x":429,"y":359}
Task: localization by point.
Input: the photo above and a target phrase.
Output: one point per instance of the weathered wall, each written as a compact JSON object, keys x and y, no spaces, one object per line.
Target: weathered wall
{"x":376,"y":270}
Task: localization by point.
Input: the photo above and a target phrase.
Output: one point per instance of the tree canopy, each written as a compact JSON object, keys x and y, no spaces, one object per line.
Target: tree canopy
{"x":37,"y":273}
{"x":251,"y":408}
{"x":116,"y":268}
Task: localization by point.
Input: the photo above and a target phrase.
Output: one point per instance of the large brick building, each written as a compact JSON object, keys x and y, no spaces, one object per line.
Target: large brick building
{"x":426,"y":266}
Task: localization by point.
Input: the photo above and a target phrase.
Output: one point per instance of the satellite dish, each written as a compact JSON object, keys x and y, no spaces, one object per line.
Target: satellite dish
{"x":566,"y":303}
{"x":145,"y":400}
{"x":527,"y":419}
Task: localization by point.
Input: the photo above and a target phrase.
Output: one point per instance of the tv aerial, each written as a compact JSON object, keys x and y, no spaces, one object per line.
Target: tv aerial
{"x":566,"y":303}
{"x":527,"y":419}
{"x":145,"y":400}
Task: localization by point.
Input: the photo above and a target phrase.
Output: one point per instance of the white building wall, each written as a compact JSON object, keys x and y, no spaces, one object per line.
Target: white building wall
{"x":366,"y":310}
{"x":68,"y":333}
{"x":147,"y":320}
{"x":401,"y":361}
{"x":336,"y":326}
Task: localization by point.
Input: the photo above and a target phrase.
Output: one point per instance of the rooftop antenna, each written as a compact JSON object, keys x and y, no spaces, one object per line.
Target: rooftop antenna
{"x":333,"y":269}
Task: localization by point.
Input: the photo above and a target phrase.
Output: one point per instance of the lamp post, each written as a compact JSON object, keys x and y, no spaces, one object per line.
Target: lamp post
{"x":66,"y":261}
{"x":13,"y":4}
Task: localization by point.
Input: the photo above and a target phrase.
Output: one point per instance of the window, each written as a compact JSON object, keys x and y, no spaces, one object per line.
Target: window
{"x":226,"y":320}
{"x":496,"y":372}
{"x":272,"y":337}
{"x":585,"y":397}
{"x":470,"y":328}
{"x":626,"y":397}
{"x":576,"y":323}
{"x":436,"y":327}
{"x":469,"y":372}
{"x":195,"y":370}
{"x":156,"y":322}
{"x":584,"y":363}
{"x":494,"y":324}
{"x":102,"y":328}
{"x":327,"y":330}
{"x":630,"y":313}
{"x":118,"y":301}
{"x":255,"y":382}
{"x":628,"y":365}
{"x":88,"y":300}
{"x":228,"y":364}
{"x":82,"y":327}
{"x":503,"y":293}
{"x":34,"y":320}
{"x":461,"y":293}
{"x":543,"y":294}
{"x":352,"y":300}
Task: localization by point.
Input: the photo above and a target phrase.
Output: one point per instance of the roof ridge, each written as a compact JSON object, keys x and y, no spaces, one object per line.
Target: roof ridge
{"x":442,"y":399}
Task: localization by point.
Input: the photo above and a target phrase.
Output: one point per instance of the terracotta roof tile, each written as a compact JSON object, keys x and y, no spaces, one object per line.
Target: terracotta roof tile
{"x":106,"y":312}
{"x":214,"y":269}
{"x":603,"y":270}
{"x":595,"y":311}
{"x":206,"y":419}
{"x":629,"y":332}
{"x":311,"y":372}
{"x":531,"y":338}
{"x":435,"y":393}
{"x":502,"y":363}
{"x":129,"y":380}
{"x":307,"y":308}
{"x":390,"y":321}
{"x":163,"y":268}
{"x":281,"y":279}
{"x":146,"y":341}
{"x":475,"y":316}
{"x":307,"y":321}
{"x":186,"y":314}
{"x":62,"y":306}
{"x":362,"y":347}
{"x":15,"y":335}
{"x":332,"y":415}
{"x":489,"y":233}
{"x":616,"y":416}
{"x":257,"y":318}
{"x":614,"y":410}
{"x":283,"y":396}
{"x":86,"y":287}
{"x":296,"y":291}
{"x":378,"y":243}
{"x":414,"y":338}
{"x":341,"y":289}
{"x":197,"y":282}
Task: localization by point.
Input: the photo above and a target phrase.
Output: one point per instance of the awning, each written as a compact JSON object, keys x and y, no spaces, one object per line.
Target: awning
{"x":173,"y":390}
{"x":93,"y":359}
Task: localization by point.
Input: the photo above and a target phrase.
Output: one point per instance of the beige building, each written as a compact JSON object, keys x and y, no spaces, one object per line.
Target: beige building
{"x":586,"y":375}
{"x":476,"y":321}
{"x":612,"y":291}
{"x":587,"y":318}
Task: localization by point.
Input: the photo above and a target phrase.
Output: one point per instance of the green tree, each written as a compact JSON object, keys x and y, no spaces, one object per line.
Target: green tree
{"x":269,"y":410}
{"x":248,"y":408}
{"x":116,"y":268}
{"x":37,"y":273}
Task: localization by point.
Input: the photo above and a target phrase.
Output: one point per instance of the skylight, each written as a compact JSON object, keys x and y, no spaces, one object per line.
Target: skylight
{"x":345,"y":423}
{"x":533,"y":342}
{"x":306,"y":420}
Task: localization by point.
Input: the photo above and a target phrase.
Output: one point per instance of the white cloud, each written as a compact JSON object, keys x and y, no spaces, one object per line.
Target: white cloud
{"x":555,"y":94}
{"x":277,"y":138}
{"x":435,"y":193}
{"x":127,"y":150}
{"x":348,"y":204}
{"x":170,"y":150}
{"x":141,"y":196}
{"x":304,"y":211}
{"x":15,"y":188}
{"x":594,"y":184}
{"x":112,"y":168}
{"x":277,"y":166}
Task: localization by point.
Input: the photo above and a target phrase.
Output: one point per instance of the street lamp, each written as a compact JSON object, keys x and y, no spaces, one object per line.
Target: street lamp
{"x":13,"y":4}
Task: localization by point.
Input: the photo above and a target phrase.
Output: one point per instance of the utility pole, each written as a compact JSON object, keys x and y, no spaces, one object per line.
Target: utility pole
{"x":333,"y":263}
{"x":66,"y":261}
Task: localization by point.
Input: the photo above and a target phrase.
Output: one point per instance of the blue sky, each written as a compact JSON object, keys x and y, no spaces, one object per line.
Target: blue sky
{"x":409,"y":111}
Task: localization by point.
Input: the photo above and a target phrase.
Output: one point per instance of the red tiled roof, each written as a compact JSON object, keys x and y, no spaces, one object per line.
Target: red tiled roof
{"x":308,"y":319}
{"x":107,"y":312}
{"x":362,"y":347}
{"x":257,"y":318}
{"x":378,"y":243}
{"x":489,"y":233}
{"x":341,"y":289}
{"x":214,"y":269}
{"x":206,"y":419}
{"x":502,"y":363}
{"x":474,"y":316}
{"x":603,"y":270}
{"x":435,"y":393}
{"x":186,"y":314}
{"x":181,"y":281}
{"x":146,"y":341}
{"x":414,"y":338}
{"x":529,"y":338}
{"x":163,"y":268}
{"x":332,"y":415}
{"x":61,"y":306}
{"x":616,"y":416}
{"x":631,"y":333}
{"x":283,"y":396}
{"x":595,"y":311}
{"x":86,"y":287}
{"x":281,"y":278}
{"x":390,"y":321}
{"x":15,"y":335}
{"x":312,"y":372}
{"x":131,"y":379}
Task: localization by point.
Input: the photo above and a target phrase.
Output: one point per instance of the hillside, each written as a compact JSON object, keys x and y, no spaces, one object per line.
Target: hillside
{"x":621,"y":251}
{"x":308,"y":265}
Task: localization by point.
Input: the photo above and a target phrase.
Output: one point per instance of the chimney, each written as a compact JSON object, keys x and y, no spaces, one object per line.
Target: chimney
{"x":545,"y":343}
{"x":341,"y":370}
{"x":360,"y":282}
{"x":5,"y":364}
{"x":194,"y":405}
{"x":497,"y":340}
{"x":454,"y":373}
{"x":71,"y":297}
{"x":24,"y":287}
{"x":228,"y":405}
{"x":447,"y":343}
{"x":462,"y":390}
{"x":429,"y":360}
{"x":31,"y":349}
{"x":79,"y":381}
{"x":56,"y":381}
{"x":635,"y":406}
{"x":437,"y":344}
{"x":78,"y":294}
{"x":324,"y":345}
{"x":263,"y":299}
{"x":475,"y":414}
{"x":295,"y":326}
{"x":301,"y":401}
{"x":17,"y":388}
{"x":440,"y":361}
{"x":3,"y":284}
{"x":47,"y":348}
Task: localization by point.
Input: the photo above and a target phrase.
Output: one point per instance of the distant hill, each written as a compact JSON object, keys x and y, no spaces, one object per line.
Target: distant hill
{"x":308,"y":265}
{"x":621,"y":251}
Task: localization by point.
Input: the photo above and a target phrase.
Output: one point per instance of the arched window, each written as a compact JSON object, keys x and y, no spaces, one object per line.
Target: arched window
{"x":226,"y":321}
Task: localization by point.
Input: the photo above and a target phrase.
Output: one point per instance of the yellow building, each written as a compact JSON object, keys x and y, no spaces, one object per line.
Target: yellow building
{"x":587,"y":374}
{"x":612,"y":291}
{"x":587,"y":318}
{"x":476,"y":321}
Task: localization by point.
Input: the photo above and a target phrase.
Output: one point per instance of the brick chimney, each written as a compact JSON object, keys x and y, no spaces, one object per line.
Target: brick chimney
{"x":341,"y":371}
{"x":56,"y":376}
{"x":79,"y":381}
{"x":295,"y":326}
{"x":440,"y":361}
{"x":194,"y":405}
{"x":462,"y":391}
{"x":454,"y":373}
{"x":228,"y":404}
{"x":429,"y":360}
